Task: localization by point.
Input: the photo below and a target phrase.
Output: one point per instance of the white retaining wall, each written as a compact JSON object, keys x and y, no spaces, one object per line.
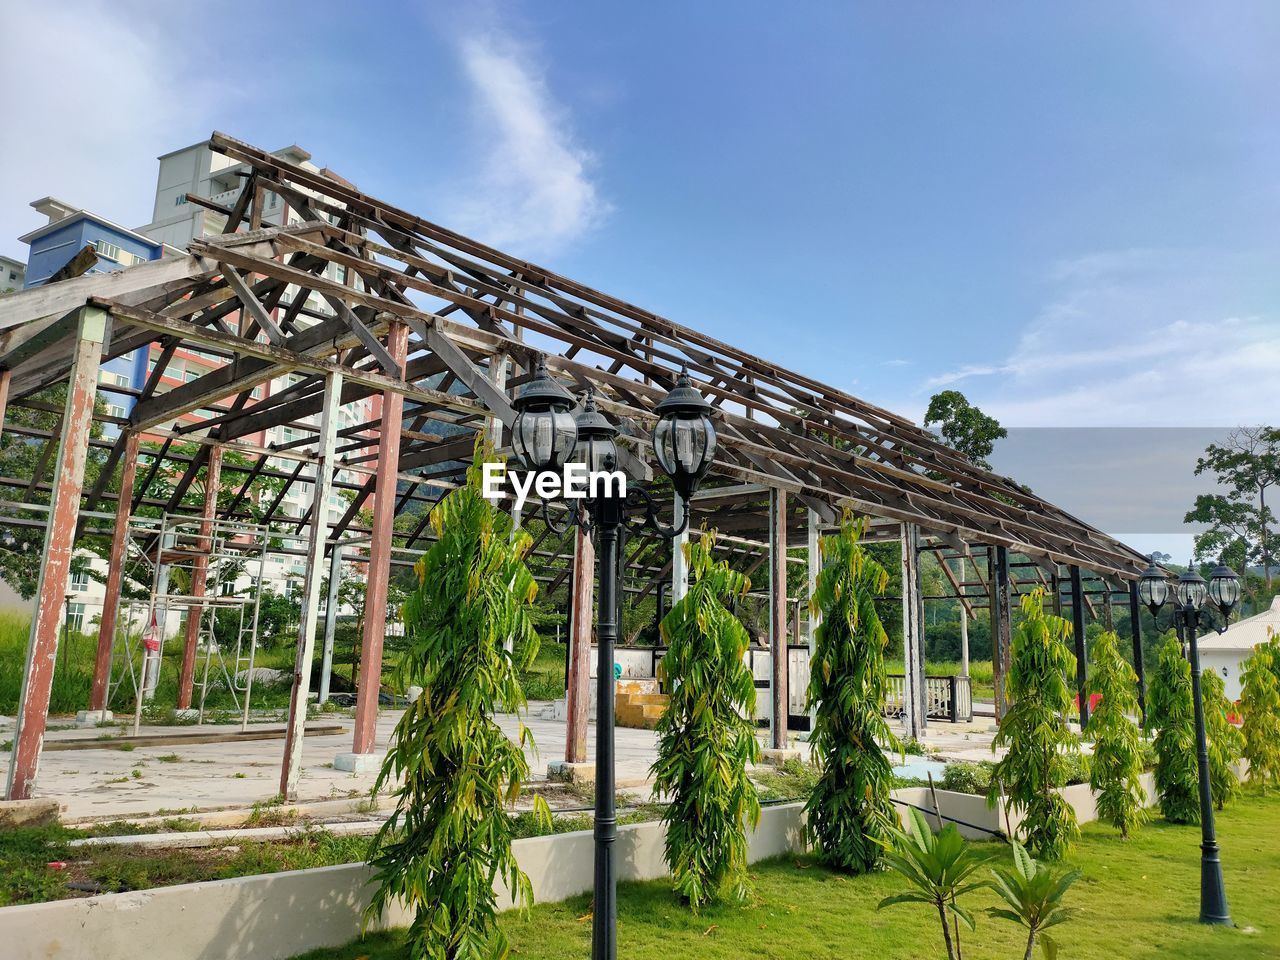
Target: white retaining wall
{"x":279,"y":915}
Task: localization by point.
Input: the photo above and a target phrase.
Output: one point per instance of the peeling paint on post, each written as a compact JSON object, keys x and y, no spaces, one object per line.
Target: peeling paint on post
{"x":292,"y":768}
{"x":778,"y":616}
{"x":115,"y":575}
{"x":384,"y":508}
{"x":581,"y":615}
{"x":5,"y":377}
{"x":199,"y":578}
{"x":59,"y":543}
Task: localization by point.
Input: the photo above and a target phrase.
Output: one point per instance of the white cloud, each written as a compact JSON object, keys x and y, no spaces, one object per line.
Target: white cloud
{"x":533,"y":191}
{"x":92,"y":100}
{"x":1138,"y":338}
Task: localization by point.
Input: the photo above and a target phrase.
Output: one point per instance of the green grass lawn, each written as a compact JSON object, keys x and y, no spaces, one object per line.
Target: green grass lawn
{"x":1137,"y":899}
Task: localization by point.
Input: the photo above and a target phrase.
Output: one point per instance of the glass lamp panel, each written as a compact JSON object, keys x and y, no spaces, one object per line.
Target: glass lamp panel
{"x":664,"y":446}
{"x":1192,"y":592}
{"x":1224,"y":591}
{"x":1153,"y":591}
{"x":566,"y":436}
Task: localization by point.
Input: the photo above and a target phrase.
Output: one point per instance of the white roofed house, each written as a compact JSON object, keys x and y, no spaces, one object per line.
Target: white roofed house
{"x":1225,"y":653}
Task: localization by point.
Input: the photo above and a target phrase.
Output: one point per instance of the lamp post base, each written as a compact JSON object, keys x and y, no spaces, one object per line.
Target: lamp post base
{"x":1213,"y":892}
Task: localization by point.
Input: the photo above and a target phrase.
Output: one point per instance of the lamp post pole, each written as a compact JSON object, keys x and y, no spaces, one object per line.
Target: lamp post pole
{"x":604,"y":916}
{"x":1190,"y":595}
{"x":545,"y":436}
{"x":1213,"y":892}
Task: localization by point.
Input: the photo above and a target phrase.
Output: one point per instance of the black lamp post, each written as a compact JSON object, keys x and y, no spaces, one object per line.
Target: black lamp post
{"x":1190,"y":594}
{"x":684,"y":441}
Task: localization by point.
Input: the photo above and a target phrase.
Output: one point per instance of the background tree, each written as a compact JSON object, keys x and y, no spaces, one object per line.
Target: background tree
{"x":449,"y":837}
{"x":1171,"y":713}
{"x":964,"y":426}
{"x":1226,"y":741}
{"x":1241,"y":525}
{"x":706,"y":737}
{"x":1260,"y":702}
{"x":850,"y":814}
{"x":1115,"y":772}
{"x":1036,"y":733}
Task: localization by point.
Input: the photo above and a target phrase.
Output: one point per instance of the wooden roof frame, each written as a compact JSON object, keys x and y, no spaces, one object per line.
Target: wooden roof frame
{"x":474,"y":312}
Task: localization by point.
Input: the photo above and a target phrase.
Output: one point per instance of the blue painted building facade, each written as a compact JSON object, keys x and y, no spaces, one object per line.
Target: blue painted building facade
{"x":52,"y":247}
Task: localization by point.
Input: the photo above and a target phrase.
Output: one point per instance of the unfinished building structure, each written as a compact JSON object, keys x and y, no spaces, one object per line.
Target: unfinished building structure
{"x":362,"y":299}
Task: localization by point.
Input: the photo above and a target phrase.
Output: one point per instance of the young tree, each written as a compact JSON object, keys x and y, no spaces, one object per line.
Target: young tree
{"x":850,"y":814}
{"x":939,"y":868}
{"x":964,"y":426}
{"x":1171,"y":713}
{"x":1226,"y":741}
{"x":706,"y":737}
{"x":1115,"y":772}
{"x":1035,"y":731}
{"x":1260,"y":702}
{"x":1241,"y":525}
{"x":449,"y":837}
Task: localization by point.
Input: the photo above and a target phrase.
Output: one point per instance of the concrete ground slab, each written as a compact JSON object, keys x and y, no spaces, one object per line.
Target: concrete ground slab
{"x":101,"y":782}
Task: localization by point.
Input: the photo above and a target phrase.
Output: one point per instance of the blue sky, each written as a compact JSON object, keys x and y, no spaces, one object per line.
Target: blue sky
{"x":1068,"y":211}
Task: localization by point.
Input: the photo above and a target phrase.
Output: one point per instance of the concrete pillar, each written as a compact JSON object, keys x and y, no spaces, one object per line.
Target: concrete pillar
{"x":779,"y":739}
{"x":375,"y":611}
{"x":115,"y":581}
{"x":199,"y":577}
{"x":291,"y":769}
{"x":915,"y":700}
{"x":59,"y":544}
{"x":581,"y":615}
{"x":330,"y":621}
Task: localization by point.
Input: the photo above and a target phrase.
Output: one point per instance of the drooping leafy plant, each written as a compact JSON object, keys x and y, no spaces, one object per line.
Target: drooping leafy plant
{"x":850,"y":813}
{"x":1226,"y":741}
{"x":939,"y":868}
{"x":1260,"y":703}
{"x":449,"y":837}
{"x":706,"y":737}
{"x":1034,"y":894}
{"x":1171,"y":713}
{"x":1035,"y":731}
{"x":1115,"y":772}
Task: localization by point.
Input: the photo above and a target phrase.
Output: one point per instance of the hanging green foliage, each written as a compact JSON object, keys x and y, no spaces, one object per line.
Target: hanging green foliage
{"x":850,"y":814}
{"x":1035,"y":731}
{"x":449,"y":838}
{"x":1226,"y":741}
{"x":1115,"y":772}
{"x":1260,"y":703}
{"x":706,"y":737}
{"x":1171,"y":713}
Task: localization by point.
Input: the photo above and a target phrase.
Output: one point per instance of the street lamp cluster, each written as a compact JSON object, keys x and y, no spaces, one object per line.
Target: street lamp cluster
{"x":1190,"y":595}
{"x":546,"y":435}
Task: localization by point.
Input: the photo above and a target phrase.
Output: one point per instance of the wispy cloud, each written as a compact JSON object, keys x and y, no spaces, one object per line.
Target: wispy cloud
{"x":57,"y":63}
{"x":533,"y":191}
{"x":1137,"y":338}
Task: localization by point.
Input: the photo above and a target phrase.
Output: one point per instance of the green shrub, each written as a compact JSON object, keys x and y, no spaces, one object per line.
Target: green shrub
{"x":972,"y":778}
{"x":1171,"y":713}
{"x":1260,"y":702}
{"x":850,"y":813}
{"x":1036,"y":733}
{"x":449,"y":837}
{"x":706,"y":736}
{"x":1116,"y":774}
{"x":1226,"y":741}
